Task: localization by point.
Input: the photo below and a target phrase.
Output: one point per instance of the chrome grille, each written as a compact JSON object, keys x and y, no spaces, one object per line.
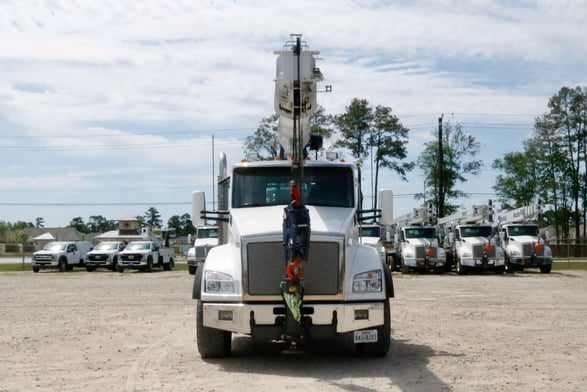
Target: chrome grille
{"x":479,"y":249}
{"x":529,"y":248}
{"x":266,"y":268}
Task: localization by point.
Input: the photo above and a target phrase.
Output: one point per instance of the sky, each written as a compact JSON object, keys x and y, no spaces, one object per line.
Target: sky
{"x":112,"y":107}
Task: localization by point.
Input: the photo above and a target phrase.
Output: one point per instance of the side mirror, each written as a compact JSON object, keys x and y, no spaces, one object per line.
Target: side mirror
{"x":198,"y":205}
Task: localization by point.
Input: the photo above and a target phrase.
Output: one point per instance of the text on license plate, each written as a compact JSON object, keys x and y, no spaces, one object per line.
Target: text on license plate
{"x":366,"y":336}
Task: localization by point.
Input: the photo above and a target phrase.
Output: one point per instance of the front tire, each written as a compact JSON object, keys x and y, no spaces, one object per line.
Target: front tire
{"x":36,"y":269}
{"x":192,"y":269}
{"x":62,"y":265}
{"x":212,"y":343}
{"x":405,"y":269}
{"x":461,"y":269}
{"x":546,"y":268}
{"x":379,"y":349}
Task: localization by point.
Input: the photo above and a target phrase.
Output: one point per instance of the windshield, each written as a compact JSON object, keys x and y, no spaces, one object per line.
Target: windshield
{"x":421,"y":232}
{"x":207,"y":233}
{"x":106,"y":246}
{"x":523,"y":230}
{"x":138,"y":245}
{"x":54,"y":246}
{"x":476,"y":231}
{"x":269,"y":186}
{"x":370,"y":231}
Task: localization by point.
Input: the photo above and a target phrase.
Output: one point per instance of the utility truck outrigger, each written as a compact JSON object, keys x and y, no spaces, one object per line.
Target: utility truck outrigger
{"x":289,"y":266}
{"x":523,"y":246}
{"x":470,"y":240}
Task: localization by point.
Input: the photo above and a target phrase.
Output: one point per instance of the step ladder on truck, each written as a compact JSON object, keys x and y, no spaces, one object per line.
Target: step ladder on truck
{"x":470,"y":239}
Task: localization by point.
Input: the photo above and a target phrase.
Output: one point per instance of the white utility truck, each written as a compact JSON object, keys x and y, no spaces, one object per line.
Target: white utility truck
{"x":521,"y":240}
{"x":145,"y":255}
{"x":471,"y":241}
{"x":63,"y":255}
{"x":290,"y":266}
{"x":104,"y":255}
{"x":416,"y":242}
{"x":206,"y":239}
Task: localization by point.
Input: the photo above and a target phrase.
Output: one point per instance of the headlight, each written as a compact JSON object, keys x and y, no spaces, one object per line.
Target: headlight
{"x":217,"y":282}
{"x":367,"y":282}
{"x":409,"y":254}
{"x":440,"y":252}
{"x":466,"y":254}
{"x":515,"y":252}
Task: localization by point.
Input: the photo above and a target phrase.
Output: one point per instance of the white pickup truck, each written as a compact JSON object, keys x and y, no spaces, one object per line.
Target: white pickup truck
{"x":104,"y":255}
{"x":145,"y":255}
{"x":63,"y":255}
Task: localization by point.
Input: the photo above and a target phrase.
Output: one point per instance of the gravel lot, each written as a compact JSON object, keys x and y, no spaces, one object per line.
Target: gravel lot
{"x":135,"y":331}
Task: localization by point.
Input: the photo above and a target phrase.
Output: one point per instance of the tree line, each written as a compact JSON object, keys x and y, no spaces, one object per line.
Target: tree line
{"x":552,"y":168}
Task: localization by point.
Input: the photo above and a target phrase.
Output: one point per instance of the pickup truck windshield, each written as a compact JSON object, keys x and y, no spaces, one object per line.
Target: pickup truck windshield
{"x":138,"y":246}
{"x":269,"y":186}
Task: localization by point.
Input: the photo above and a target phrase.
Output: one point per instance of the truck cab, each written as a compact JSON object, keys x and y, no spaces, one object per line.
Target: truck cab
{"x":206,"y":239}
{"x":418,"y":249}
{"x":63,"y":255}
{"x":474,"y":248}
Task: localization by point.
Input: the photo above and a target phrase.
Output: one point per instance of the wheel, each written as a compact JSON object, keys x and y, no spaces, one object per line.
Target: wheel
{"x":120,"y":268}
{"x":36,"y":269}
{"x":192,"y":269}
{"x":545,"y":269}
{"x":212,"y":343}
{"x":499,"y":270}
{"x":405,"y":269}
{"x":89,"y":268}
{"x":62,"y":265}
{"x":149,"y":267}
{"x":379,"y":349}
{"x":461,"y":269}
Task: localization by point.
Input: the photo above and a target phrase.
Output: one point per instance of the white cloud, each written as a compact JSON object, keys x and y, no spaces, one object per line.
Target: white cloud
{"x":84,"y":84}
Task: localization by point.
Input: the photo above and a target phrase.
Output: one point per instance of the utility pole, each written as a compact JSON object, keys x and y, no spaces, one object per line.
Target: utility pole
{"x":440,"y":193}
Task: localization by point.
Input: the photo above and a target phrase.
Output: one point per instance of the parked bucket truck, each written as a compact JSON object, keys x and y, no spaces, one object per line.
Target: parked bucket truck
{"x":521,"y":240}
{"x":471,"y":241}
{"x":416,"y":243}
{"x":290,"y":267}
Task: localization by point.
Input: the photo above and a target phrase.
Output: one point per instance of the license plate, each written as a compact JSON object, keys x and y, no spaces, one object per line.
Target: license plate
{"x":366,"y":336}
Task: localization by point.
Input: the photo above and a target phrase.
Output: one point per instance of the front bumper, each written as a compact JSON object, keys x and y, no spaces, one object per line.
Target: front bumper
{"x":535,"y":261}
{"x":264,"y":321}
{"x":484,"y":263}
{"x":424,"y":263}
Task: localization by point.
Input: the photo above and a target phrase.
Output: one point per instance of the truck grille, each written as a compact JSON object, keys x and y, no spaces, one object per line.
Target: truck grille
{"x":421,"y":252}
{"x":201,"y":252}
{"x":266,"y":268}
{"x":478,"y":251}
{"x":43,"y":258}
{"x":529,"y":249}
{"x":131,"y":256}
{"x":98,"y":257}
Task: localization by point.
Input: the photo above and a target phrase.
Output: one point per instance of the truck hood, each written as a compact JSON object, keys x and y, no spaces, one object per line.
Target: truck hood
{"x":371,"y":241}
{"x":206,"y":242}
{"x":521,"y":239}
{"x":422,"y":241}
{"x":261,"y":221}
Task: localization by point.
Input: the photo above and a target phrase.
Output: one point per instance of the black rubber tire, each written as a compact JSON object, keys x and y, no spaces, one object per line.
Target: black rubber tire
{"x":149,"y":267}
{"x":404,"y":268}
{"x":36,"y":269}
{"x":192,"y":269}
{"x":212,"y":343}
{"x":546,"y":268}
{"x":499,"y":270}
{"x":461,"y":269}
{"x":62,"y":265}
{"x":90,"y":268}
{"x":379,"y":349}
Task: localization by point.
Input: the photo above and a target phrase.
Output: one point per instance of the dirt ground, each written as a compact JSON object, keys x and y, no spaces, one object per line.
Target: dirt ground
{"x":135,"y":331}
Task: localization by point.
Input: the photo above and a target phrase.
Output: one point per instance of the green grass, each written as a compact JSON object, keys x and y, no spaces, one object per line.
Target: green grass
{"x":563,"y":265}
{"x":18,"y":267}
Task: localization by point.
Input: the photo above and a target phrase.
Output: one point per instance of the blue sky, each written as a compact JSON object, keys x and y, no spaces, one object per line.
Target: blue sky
{"x":109,"y":107}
